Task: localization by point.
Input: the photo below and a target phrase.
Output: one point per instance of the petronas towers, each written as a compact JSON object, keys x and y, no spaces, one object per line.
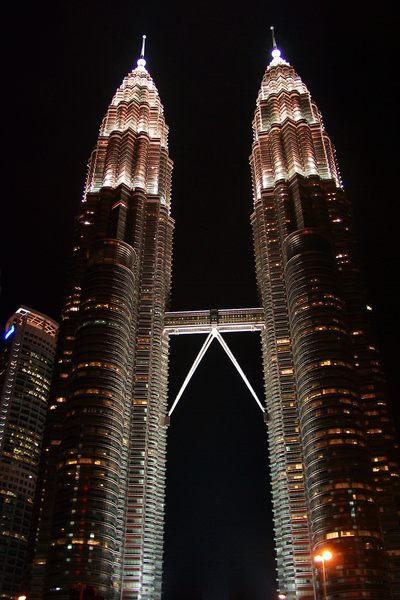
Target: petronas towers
{"x":332,"y":450}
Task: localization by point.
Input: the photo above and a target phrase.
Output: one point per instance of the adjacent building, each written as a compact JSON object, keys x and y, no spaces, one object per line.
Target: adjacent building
{"x":26,"y":366}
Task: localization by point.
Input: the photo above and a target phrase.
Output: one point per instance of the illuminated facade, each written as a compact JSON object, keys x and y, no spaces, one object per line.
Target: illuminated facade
{"x":101,"y":526}
{"x":324,"y":384}
{"x":26,"y":366}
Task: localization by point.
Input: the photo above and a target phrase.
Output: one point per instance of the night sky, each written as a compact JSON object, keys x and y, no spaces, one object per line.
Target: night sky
{"x":63,"y":62}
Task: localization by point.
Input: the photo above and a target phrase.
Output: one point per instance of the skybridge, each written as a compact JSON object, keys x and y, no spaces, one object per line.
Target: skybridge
{"x":224,"y":320}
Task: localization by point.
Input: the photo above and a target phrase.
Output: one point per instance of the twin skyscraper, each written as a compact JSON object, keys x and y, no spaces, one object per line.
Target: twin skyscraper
{"x":333,"y":455}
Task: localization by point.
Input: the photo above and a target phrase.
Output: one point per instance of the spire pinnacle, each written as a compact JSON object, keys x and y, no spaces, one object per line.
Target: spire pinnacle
{"x":273,"y":37}
{"x":141,"y":63}
{"x":276,"y":53}
{"x":143,"y":46}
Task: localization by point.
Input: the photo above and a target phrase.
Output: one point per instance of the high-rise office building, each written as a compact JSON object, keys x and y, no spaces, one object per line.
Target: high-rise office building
{"x":107,"y":436}
{"x":26,"y":365}
{"x":333,"y":455}
{"x":333,"y":458}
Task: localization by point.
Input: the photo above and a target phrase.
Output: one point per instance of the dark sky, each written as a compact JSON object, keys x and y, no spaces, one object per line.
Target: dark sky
{"x":63,"y":62}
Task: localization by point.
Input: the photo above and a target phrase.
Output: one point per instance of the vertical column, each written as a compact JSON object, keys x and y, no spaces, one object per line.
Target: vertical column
{"x":270,"y":221}
{"x":142,"y":571}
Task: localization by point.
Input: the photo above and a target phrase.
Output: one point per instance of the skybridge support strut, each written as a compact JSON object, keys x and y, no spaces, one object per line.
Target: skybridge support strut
{"x":214,"y":333}
{"x":238,"y":367}
{"x":194,"y":366}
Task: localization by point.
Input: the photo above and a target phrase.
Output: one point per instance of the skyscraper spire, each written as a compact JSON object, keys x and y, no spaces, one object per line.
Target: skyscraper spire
{"x":273,"y":37}
{"x":276,"y":53}
{"x":141,"y":63}
{"x":143,"y":46}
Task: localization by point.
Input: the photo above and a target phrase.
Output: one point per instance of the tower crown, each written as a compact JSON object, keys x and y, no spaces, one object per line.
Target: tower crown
{"x":289,"y":135}
{"x":132,"y":148}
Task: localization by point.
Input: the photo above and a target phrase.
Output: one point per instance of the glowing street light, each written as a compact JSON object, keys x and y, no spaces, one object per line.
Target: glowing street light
{"x":322,"y":558}
{"x":282,"y":596}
